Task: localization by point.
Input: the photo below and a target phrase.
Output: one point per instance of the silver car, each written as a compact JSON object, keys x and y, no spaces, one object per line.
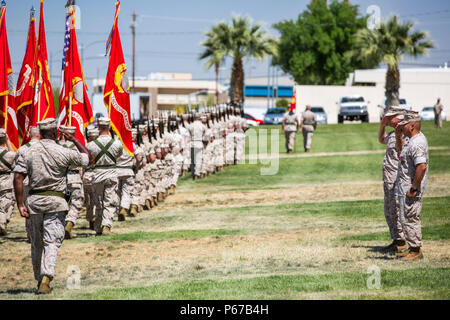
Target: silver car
{"x":321,"y":115}
{"x":427,"y":114}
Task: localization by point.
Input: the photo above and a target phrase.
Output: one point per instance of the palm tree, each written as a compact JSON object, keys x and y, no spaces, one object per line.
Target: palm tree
{"x":246,"y":40}
{"x":388,"y":44}
{"x":215,"y":50}
{"x":239,"y":40}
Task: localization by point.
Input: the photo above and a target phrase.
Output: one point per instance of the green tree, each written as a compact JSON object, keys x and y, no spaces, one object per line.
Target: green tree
{"x":316,"y":49}
{"x":241,"y":39}
{"x":215,"y":50}
{"x":283,"y":103}
{"x":389,"y":43}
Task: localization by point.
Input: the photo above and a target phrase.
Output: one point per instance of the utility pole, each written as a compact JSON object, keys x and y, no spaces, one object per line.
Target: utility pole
{"x":133,"y":31}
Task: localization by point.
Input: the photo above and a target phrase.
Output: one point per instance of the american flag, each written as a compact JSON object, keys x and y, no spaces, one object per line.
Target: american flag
{"x":66,"y":44}
{"x":63,"y":67}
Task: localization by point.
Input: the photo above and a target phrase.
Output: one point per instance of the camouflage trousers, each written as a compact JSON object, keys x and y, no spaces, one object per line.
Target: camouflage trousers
{"x":240,"y":149}
{"x":176,"y":173}
{"x":106,"y":202}
{"x":307,"y":139}
{"x":46,"y":236}
{"x":197,"y":161}
{"x":6,"y":207}
{"x":139,"y":192}
{"x":410,"y":211}
{"x":89,"y":201}
{"x":186,"y":158}
{"x":229,"y":151}
{"x":391,"y":210}
{"x":438,"y":121}
{"x":218,"y":154}
{"x":290,"y":140}
{"x":125,"y":191}
{"x":76,"y":202}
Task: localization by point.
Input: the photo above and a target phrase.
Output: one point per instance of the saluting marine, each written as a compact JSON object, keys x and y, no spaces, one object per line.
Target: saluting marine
{"x":74,"y":185}
{"x":7,"y":162}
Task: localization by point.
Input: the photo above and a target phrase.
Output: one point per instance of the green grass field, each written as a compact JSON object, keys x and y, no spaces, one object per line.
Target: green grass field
{"x":354,"y":137}
{"x":311,"y":231}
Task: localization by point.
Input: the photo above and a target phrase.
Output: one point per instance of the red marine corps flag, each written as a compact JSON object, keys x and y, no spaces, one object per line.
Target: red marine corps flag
{"x":43,"y":95}
{"x":116,"y":97}
{"x":74,"y":107}
{"x":293,"y":102}
{"x":25,"y":83}
{"x":8,"y":119}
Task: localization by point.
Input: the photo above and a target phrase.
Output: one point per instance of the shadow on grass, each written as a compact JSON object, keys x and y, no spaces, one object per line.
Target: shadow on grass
{"x":18,"y":291}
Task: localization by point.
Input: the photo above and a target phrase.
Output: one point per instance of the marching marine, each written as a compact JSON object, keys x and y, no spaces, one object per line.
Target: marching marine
{"x":105,"y":151}
{"x":46,"y":164}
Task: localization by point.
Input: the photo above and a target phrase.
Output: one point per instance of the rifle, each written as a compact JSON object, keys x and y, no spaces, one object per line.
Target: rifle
{"x":161,"y":128}
{"x":153,"y":130}
{"x":182,"y":121}
{"x":148,"y":130}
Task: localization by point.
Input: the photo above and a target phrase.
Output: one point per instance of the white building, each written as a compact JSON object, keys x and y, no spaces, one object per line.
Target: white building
{"x":161,"y":91}
{"x":420,"y":87}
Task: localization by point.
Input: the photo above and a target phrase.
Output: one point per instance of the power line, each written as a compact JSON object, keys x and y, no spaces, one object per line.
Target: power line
{"x":176,"y":18}
{"x":426,"y":13}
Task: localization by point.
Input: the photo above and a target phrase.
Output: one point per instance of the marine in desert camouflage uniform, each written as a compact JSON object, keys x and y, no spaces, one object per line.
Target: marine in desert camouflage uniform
{"x":74,"y":185}
{"x":35,"y":136}
{"x":105,"y":150}
{"x":7,"y":162}
{"x":92,"y":134}
{"x":45,"y":164}
{"x":139,"y":162}
{"x":411,"y":184}
{"x":390,"y":171}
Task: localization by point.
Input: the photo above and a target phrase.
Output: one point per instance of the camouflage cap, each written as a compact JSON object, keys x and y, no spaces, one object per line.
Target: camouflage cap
{"x":34,"y":130}
{"x":70,"y":130}
{"x":2,"y":133}
{"x":142,"y":128}
{"x":47,"y":124}
{"x":92,"y":132}
{"x":104,"y":121}
{"x":410,"y":116}
{"x":394,"y":111}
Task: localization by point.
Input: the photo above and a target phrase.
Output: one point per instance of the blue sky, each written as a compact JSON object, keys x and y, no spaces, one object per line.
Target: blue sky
{"x":169,"y":32}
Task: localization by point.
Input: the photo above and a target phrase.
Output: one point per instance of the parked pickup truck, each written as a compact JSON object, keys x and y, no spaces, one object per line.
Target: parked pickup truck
{"x":353,"y":108}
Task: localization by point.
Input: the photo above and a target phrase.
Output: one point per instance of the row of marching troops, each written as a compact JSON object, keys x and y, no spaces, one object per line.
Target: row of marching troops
{"x":164,"y":150}
{"x":54,"y":177}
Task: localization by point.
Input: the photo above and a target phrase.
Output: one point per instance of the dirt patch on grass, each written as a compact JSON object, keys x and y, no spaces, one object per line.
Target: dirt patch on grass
{"x":340,"y":191}
{"x":288,"y":251}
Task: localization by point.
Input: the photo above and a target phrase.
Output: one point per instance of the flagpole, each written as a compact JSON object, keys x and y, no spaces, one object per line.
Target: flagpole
{"x":109,"y":105}
{"x":6,"y":109}
{"x":39,"y":95}
{"x":70,"y":110}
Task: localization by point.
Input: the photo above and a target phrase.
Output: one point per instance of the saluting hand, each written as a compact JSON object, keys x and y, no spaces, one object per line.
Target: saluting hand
{"x":69,"y":136}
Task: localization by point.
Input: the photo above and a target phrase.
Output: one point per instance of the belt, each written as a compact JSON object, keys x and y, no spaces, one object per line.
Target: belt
{"x":130,"y":167}
{"x":73,"y":172}
{"x":47,"y":193}
{"x":5,"y":173}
